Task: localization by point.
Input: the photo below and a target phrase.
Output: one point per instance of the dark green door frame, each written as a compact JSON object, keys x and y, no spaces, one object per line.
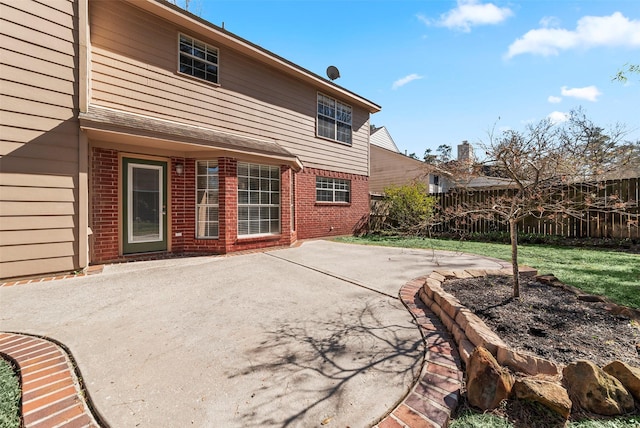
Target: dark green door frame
{"x":144,"y":194}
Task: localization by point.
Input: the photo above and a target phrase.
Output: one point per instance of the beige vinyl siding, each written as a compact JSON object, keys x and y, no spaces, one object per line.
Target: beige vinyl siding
{"x":39,"y":137}
{"x":134,"y":68}
{"x":390,"y":168}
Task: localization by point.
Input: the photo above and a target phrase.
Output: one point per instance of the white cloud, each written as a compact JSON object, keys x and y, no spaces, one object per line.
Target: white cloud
{"x":589,"y":93}
{"x":558,"y":117}
{"x":549,"y":22}
{"x":553,"y":99}
{"x":407,"y":79}
{"x":470,"y":13}
{"x":591,"y":31}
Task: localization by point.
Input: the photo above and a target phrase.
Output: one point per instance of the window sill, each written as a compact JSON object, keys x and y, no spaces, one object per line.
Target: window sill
{"x":258,"y":238}
{"x":334,"y":141}
{"x":333,"y":204}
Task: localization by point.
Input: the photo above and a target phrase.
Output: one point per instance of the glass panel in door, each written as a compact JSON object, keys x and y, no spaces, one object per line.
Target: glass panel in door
{"x":144,"y":206}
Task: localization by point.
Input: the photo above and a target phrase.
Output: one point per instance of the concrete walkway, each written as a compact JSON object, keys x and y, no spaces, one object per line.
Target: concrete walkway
{"x":293,"y":337}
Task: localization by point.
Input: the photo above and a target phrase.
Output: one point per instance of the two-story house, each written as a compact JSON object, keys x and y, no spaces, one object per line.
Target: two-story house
{"x":132,"y":127}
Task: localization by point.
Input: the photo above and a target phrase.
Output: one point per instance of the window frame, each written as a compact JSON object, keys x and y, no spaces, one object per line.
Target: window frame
{"x":206,"y":62}
{"x":334,"y":190}
{"x":207,"y":205}
{"x":255,"y":187}
{"x":334,"y":117}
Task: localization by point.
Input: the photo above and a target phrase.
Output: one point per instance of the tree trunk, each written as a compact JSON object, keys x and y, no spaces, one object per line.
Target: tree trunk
{"x":513,"y":231}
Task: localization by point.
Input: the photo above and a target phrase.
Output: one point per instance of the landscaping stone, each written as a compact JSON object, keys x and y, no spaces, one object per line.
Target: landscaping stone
{"x":549,"y":394}
{"x":524,"y":363}
{"x":465,"y":349}
{"x":463,"y":317}
{"x":445,"y":273}
{"x":527,"y":272}
{"x":629,"y":376}
{"x":487,"y":383}
{"x":481,"y":335}
{"x":450,"y":304}
{"x":590,"y":298}
{"x":596,"y":391}
{"x":437,"y":276}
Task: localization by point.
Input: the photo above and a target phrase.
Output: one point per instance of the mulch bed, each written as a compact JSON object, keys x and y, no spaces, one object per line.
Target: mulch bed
{"x":552,"y":323}
{"x":548,"y":321}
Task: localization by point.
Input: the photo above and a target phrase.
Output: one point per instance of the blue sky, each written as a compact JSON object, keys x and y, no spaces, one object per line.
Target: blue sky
{"x":445,"y":70}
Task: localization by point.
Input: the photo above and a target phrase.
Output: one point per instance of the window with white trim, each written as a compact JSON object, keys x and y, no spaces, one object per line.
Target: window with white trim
{"x":207,"y":191}
{"x":334,"y":119}
{"x":198,"y":59}
{"x":258,"y":199}
{"x":333,"y":190}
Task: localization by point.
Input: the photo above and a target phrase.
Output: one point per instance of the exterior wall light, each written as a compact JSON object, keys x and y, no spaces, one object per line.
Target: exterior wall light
{"x":179,"y":168}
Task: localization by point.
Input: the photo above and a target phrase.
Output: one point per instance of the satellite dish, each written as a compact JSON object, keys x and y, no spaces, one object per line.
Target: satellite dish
{"x":332,"y":72}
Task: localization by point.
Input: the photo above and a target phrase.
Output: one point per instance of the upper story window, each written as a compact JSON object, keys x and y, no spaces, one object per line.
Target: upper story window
{"x":198,"y":59}
{"x":334,"y":119}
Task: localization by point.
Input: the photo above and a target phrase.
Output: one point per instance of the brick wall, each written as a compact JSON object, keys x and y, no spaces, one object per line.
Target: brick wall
{"x":104,"y":204}
{"x":318,"y":219}
{"x":105,"y":217}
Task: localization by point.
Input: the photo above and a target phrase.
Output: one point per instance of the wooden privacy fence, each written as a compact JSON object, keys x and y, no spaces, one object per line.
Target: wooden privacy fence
{"x":604,"y":222}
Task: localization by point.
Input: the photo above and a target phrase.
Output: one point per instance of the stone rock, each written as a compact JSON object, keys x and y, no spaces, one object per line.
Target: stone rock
{"x":546,"y":278}
{"x":549,"y":394}
{"x":590,"y":298}
{"x":487,"y":383}
{"x":629,"y":376}
{"x":596,"y":391}
{"x":524,"y":363}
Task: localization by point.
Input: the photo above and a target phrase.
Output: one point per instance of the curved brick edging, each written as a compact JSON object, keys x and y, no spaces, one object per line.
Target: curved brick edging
{"x":51,"y":391}
{"x":435,"y":395}
{"x":469,"y":330}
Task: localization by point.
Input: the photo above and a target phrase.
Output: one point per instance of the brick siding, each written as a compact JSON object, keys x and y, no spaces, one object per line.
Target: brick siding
{"x":319,"y":219}
{"x":182,"y":207}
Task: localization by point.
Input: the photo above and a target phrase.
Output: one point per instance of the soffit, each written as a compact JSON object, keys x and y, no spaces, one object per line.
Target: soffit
{"x":119,"y":126}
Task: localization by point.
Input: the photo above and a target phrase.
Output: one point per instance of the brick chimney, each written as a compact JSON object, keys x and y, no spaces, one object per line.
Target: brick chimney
{"x":465,"y":152}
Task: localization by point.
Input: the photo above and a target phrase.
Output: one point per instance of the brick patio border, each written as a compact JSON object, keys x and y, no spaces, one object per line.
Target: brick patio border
{"x":52,"y":395}
{"x":433,"y":398}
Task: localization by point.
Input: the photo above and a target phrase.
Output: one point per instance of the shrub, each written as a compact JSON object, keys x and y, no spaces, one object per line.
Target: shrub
{"x":408,"y":208}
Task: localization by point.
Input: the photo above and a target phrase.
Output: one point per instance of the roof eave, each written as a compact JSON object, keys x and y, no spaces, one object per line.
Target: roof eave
{"x":190,"y":21}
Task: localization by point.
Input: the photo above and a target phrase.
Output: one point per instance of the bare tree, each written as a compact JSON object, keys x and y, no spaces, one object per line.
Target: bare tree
{"x":548,"y":170}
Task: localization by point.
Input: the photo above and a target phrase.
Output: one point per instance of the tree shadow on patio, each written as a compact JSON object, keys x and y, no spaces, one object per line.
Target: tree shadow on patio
{"x":350,"y":370}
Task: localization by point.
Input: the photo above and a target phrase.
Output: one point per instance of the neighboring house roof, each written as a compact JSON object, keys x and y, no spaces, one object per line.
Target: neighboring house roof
{"x":380,"y":137}
{"x":486,"y":181}
{"x":190,"y":21}
{"x":106,"y":122}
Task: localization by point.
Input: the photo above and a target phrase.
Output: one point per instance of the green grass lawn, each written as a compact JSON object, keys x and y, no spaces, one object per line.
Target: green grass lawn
{"x":9,"y":396}
{"x":603,"y":272}
{"x":470,"y":419}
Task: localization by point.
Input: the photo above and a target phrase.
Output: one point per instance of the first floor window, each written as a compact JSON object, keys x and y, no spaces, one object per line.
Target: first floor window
{"x":334,"y":119}
{"x":207,"y":225}
{"x":332,"y":190}
{"x":258,"y":199}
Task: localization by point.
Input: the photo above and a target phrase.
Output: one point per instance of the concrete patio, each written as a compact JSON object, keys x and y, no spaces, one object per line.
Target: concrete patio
{"x":288,"y":337}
